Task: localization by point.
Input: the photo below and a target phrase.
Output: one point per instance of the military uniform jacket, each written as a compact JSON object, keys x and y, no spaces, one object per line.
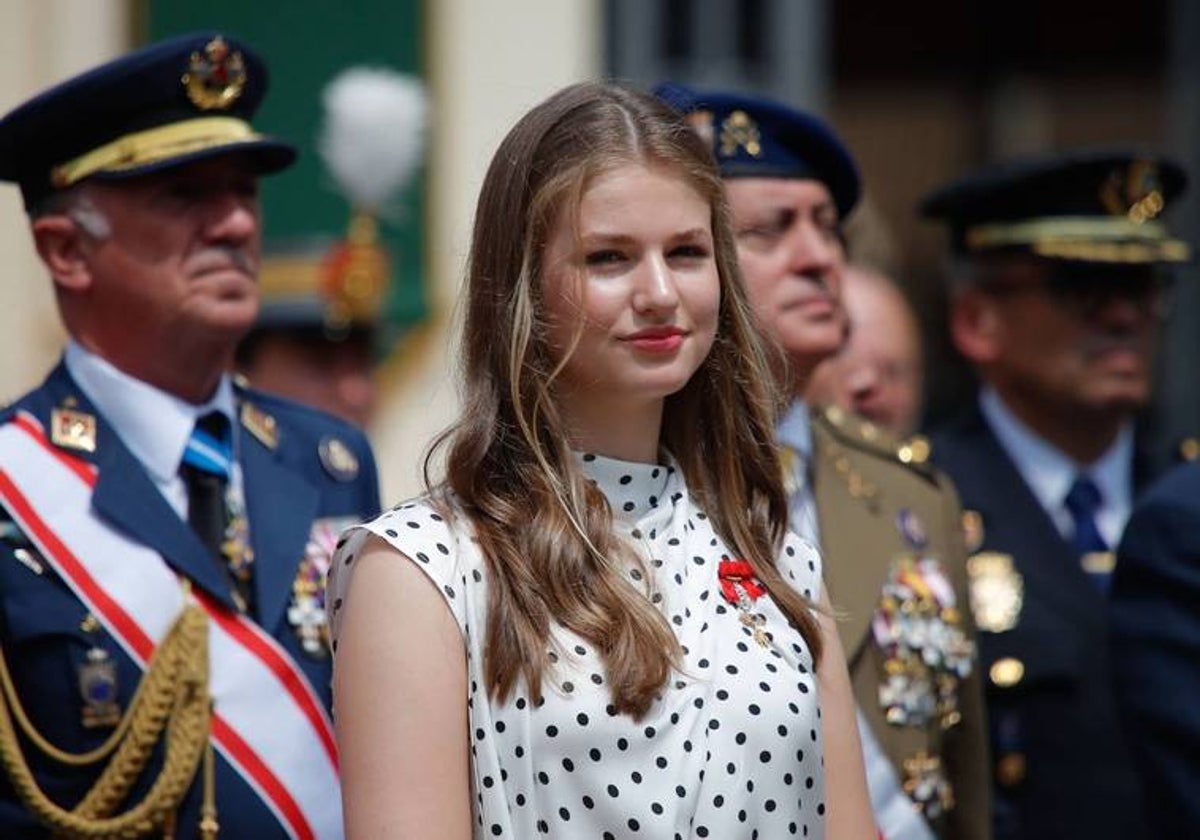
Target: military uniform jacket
{"x":1155,"y":614}
{"x":1061,"y":766}
{"x":47,"y":633}
{"x":875,"y":511}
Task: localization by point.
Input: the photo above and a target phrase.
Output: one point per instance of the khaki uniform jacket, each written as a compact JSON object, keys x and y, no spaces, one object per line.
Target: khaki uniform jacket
{"x":872,"y":498}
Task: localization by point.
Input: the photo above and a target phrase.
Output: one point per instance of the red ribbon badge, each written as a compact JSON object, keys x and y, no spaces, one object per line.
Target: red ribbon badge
{"x":731,"y":572}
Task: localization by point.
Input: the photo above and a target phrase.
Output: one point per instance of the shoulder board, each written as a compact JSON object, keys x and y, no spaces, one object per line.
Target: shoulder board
{"x":857,"y":433}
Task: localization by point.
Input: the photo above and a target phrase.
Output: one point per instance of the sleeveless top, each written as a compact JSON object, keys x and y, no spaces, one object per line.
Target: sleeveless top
{"x":731,"y":749}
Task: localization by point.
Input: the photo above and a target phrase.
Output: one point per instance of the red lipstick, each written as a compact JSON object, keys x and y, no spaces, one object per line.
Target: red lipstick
{"x":657,"y":339}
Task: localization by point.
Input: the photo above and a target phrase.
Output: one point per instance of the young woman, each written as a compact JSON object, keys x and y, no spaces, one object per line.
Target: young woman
{"x":597,"y":624}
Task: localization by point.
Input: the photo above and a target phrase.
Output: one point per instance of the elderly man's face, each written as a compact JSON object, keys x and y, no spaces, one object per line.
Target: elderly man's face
{"x":791,"y":256}
{"x":182,"y":254}
{"x":1065,"y":337}
{"x":878,"y":374}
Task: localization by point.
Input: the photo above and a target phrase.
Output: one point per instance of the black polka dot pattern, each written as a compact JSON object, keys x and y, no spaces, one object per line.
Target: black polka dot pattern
{"x":726,"y":751}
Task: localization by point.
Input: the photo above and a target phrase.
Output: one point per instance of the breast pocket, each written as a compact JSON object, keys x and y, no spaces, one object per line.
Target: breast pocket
{"x":70,"y":676}
{"x":1042,"y":653}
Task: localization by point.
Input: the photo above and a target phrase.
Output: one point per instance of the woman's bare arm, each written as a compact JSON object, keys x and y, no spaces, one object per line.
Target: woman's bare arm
{"x":848,"y":804}
{"x":400,"y":700}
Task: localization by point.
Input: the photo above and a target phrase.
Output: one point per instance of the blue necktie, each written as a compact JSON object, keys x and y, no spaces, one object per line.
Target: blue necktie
{"x":206,"y":469}
{"x":1082,"y":502}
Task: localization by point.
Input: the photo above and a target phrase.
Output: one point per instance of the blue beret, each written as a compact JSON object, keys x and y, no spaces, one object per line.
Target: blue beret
{"x":1094,"y":205}
{"x":753,"y":137}
{"x":171,"y":103}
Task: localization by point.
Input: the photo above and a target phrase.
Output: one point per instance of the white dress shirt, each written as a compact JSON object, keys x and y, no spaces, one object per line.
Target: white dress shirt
{"x":795,"y":432}
{"x":153,"y":425}
{"x":1050,"y":472}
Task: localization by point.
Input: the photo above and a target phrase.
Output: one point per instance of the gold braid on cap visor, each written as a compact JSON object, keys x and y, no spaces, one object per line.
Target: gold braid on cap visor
{"x":153,"y":145}
{"x":1097,"y":239}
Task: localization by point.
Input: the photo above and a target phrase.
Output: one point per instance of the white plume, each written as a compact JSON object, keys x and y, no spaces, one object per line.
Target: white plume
{"x":373,"y":133}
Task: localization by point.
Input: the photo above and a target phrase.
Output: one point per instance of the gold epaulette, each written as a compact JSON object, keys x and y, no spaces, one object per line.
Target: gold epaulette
{"x":855,"y":432}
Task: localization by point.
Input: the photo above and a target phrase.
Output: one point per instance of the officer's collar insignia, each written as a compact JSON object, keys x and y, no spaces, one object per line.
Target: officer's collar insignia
{"x":73,"y":429}
{"x":702,"y":123}
{"x":337,"y":459}
{"x":1134,"y":192}
{"x":260,"y":424}
{"x":98,"y":688}
{"x":972,"y":528}
{"x":918,"y":628}
{"x":912,"y":529}
{"x":308,"y":613}
{"x":997,"y":591}
{"x":215,"y":78}
{"x":739,"y":130}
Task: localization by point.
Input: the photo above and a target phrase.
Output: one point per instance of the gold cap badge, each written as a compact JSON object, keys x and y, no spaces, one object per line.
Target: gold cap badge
{"x":739,"y":130}
{"x":1135,"y":192}
{"x":215,"y":78}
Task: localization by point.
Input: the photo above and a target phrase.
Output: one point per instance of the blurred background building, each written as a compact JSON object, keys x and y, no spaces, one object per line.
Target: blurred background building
{"x":921,"y":92}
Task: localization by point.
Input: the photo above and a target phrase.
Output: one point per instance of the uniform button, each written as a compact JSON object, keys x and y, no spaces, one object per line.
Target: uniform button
{"x":1006,"y":672}
{"x":915,"y":451}
{"x":1010,"y":769}
{"x":1189,"y":449}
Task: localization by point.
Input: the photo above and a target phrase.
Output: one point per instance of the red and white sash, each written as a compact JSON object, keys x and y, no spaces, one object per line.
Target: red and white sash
{"x":266,"y":721}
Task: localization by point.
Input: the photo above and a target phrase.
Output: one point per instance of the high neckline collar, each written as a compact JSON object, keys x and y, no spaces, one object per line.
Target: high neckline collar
{"x":634,"y":489}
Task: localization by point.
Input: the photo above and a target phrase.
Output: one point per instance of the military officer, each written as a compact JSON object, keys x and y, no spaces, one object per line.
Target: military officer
{"x":878,"y":374}
{"x":164,"y":532}
{"x":1060,"y":268}
{"x":1155,"y":617}
{"x":887,"y":524}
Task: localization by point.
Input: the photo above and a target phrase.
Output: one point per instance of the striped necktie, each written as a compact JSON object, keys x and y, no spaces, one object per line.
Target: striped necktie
{"x":206,"y":470}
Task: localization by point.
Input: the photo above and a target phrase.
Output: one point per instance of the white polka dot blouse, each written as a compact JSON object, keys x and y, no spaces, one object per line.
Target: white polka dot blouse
{"x":732,"y":749}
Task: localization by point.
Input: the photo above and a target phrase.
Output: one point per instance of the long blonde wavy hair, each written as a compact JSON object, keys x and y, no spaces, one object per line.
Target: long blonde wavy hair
{"x":547,"y":534}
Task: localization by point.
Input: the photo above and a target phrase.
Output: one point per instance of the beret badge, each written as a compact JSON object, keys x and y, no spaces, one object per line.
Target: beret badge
{"x":740,"y":131}
{"x":215,"y":78}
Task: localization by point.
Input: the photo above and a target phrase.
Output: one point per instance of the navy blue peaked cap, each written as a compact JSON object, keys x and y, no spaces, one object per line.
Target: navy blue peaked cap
{"x":1089,"y":205}
{"x":752,"y":137}
{"x":170,"y":103}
